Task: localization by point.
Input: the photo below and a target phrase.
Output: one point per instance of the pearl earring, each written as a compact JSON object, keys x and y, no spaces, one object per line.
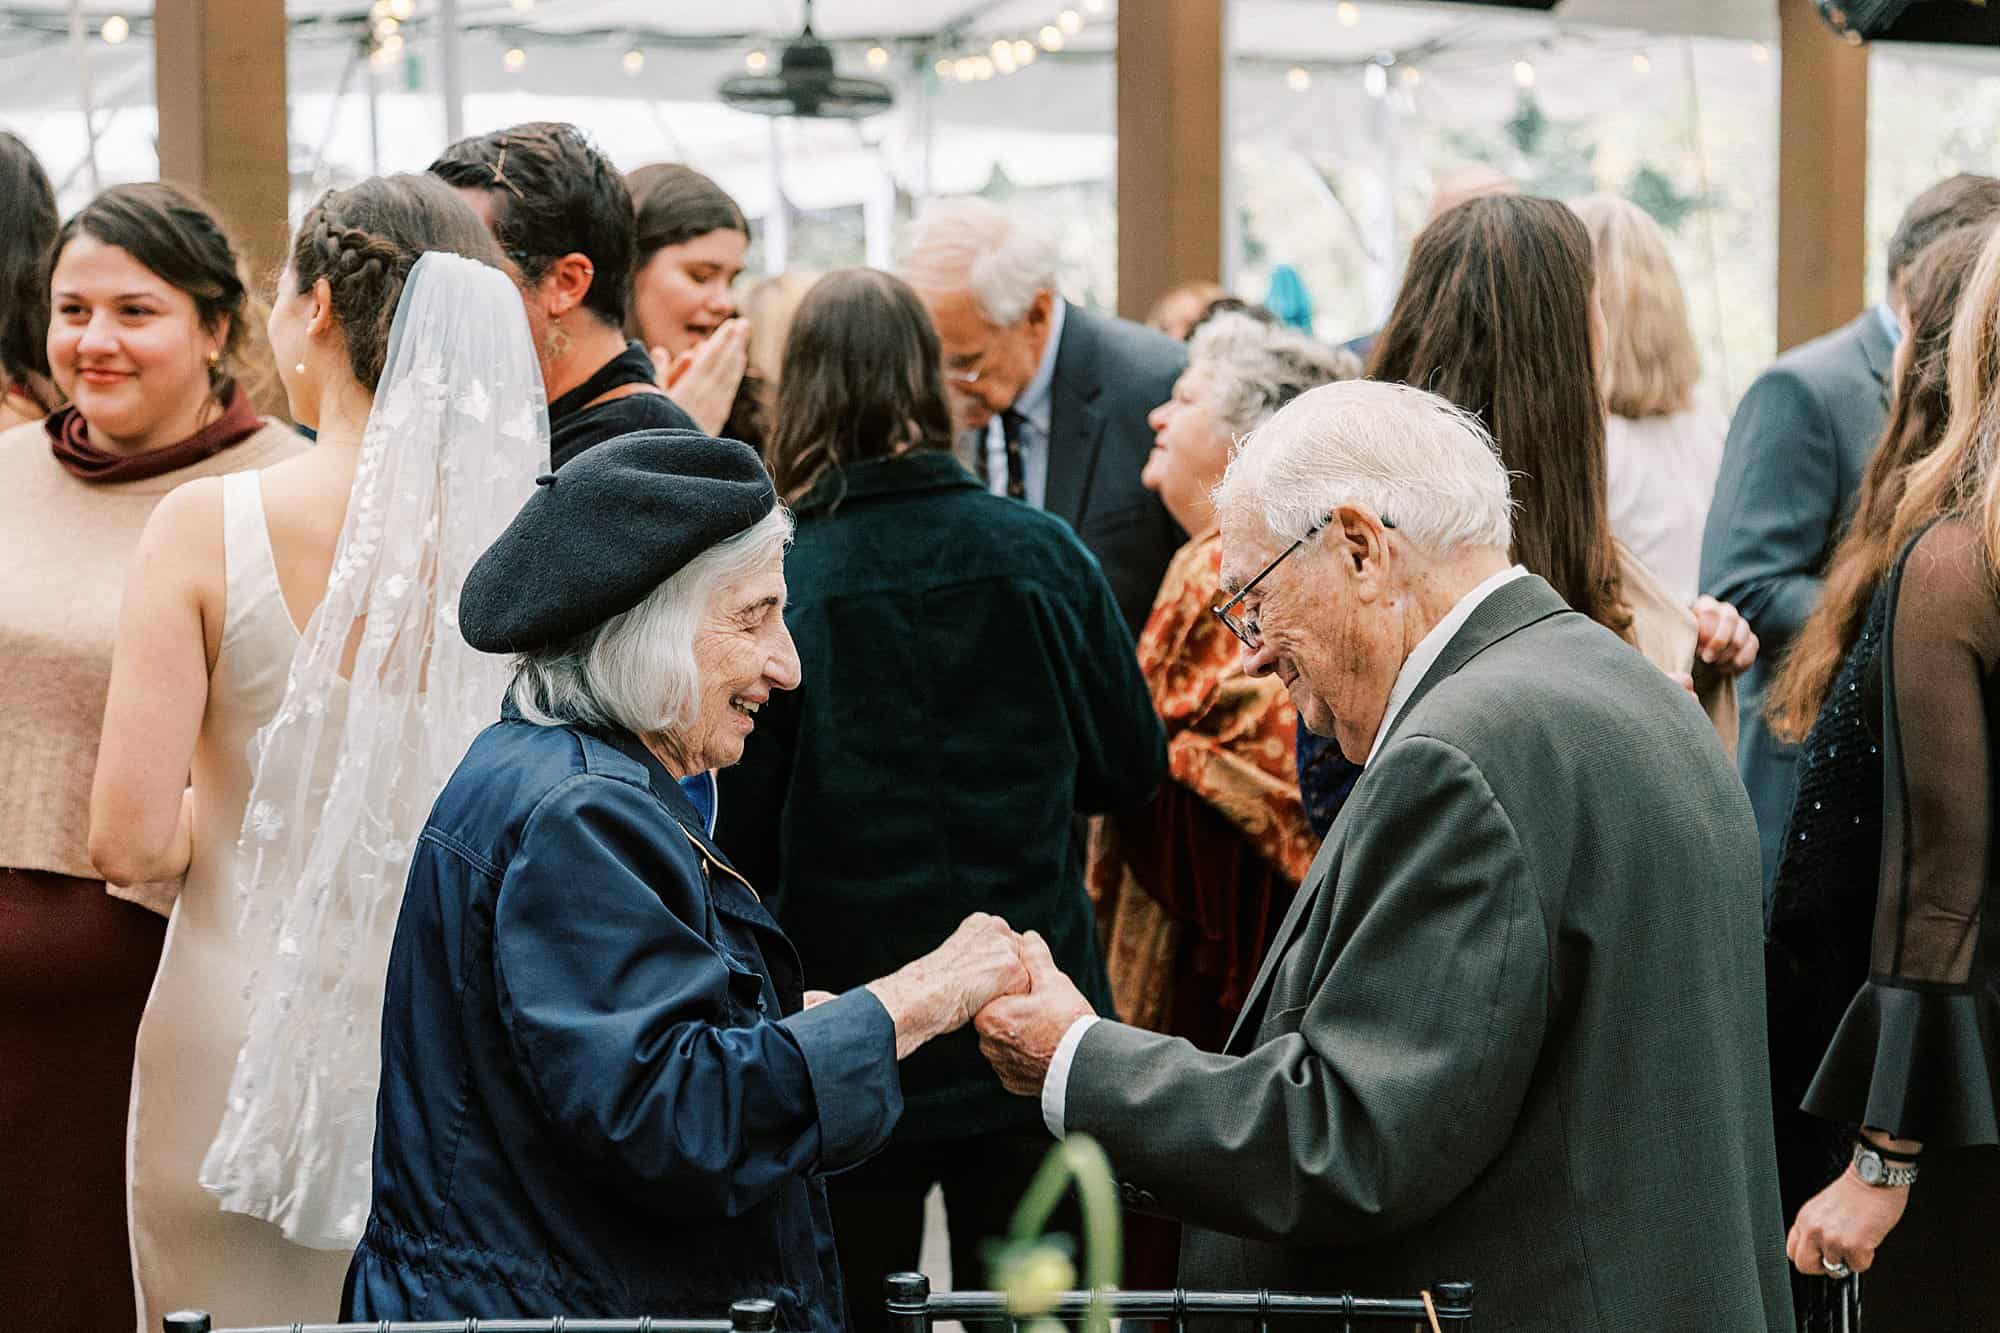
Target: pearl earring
{"x":299,"y":369}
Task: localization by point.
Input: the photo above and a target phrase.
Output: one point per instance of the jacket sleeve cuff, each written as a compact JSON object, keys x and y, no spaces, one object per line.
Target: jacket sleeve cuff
{"x":849,"y":1045}
{"x":1917,"y":1064}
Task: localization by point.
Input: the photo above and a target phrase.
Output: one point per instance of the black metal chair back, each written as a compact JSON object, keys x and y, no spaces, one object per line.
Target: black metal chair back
{"x":912,"y":1306}
{"x":747,"y":1316}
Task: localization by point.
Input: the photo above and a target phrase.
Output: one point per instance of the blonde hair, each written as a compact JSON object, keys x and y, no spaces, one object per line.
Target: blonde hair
{"x":769,"y":307}
{"x":1650,"y":363}
{"x":1960,"y":480}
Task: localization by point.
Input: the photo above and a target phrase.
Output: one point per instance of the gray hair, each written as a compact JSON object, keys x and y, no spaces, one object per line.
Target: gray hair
{"x":1411,"y":456}
{"x":974,"y":246}
{"x":1256,"y":368}
{"x":637,"y":670}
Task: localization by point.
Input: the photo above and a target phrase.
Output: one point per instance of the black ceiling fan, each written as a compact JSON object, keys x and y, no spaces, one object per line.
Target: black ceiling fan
{"x":807,"y":85}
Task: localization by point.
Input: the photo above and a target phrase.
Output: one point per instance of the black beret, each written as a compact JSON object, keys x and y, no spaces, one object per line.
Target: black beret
{"x":597,"y":537}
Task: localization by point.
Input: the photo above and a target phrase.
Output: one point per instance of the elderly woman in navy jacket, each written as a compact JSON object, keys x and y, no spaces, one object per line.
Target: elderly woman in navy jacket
{"x":605,"y":1088}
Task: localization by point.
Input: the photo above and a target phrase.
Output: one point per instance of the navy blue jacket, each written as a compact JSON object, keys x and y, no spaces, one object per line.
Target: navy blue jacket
{"x":600,"y":1094}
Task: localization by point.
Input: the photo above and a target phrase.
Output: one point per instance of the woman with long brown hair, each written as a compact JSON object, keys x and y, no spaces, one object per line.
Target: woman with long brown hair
{"x":1498,"y":313}
{"x":1823,"y":896}
{"x":970,"y":689}
{"x":1915,"y":1062}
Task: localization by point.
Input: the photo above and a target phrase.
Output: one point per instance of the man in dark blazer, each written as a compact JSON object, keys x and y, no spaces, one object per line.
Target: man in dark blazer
{"x":1051,"y":399}
{"x":1798,"y":445}
{"x":1512,"y":1030}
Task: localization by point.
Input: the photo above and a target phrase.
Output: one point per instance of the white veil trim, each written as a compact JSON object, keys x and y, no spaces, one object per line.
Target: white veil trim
{"x":344,"y":774}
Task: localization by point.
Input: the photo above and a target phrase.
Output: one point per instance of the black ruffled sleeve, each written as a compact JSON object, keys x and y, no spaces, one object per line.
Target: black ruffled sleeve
{"x":1918,"y":1051}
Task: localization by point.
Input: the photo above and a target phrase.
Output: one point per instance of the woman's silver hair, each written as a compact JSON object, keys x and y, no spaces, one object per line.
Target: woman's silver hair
{"x":974,"y":246}
{"x":637,"y":670}
{"x":1413,"y":458}
{"x":1254,"y":368}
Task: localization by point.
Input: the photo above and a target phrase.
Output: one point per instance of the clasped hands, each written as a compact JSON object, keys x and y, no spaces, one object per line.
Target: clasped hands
{"x":1006,"y":984}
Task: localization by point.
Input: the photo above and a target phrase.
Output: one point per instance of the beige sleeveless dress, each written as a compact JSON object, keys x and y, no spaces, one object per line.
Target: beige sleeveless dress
{"x":187,"y":1252}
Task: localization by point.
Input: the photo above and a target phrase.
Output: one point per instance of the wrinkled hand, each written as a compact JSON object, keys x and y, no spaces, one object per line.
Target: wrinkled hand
{"x":1018,"y":1034}
{"x":1844,"y":1223}
{"x":1723,"y":638}
{"x":941,"y":991}
{"x":703,"y":380}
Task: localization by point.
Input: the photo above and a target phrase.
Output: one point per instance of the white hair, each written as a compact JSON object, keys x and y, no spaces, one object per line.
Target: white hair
{"x":968,"y":244}
{"x":637,"y":670}
{"x":1419,"y":462}
{"x":1254,"y":368}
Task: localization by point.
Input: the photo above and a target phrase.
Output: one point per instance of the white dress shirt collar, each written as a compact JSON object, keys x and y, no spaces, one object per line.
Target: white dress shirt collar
{"x":1431,"y":647}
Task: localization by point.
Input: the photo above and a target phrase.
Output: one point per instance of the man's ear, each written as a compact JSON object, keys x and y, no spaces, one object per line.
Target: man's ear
{"x":1036,"y":319}
{"x":567,"y":283}
{"x":1361,"y":540}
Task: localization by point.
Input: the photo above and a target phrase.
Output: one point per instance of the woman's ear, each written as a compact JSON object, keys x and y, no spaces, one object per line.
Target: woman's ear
{"x":566,"y":284}
{"x":320,"y":318}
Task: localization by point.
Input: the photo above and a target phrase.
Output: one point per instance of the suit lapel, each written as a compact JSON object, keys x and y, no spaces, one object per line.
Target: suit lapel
{"x":1076,"y":428}
{"x":1505,"y":612}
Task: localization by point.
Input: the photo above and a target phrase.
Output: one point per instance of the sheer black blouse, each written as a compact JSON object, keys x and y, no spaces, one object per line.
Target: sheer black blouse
{"x":1918,"y":1051}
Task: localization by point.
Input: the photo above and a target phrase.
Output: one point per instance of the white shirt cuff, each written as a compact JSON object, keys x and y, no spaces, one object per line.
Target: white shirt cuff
{"x":1055,"y":1083}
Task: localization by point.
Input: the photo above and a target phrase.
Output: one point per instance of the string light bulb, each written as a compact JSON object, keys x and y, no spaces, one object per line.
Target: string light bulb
{"x":1760,"y":53}
{"x":1348,"y":13}
{"x":756,"y":62}
{"x":965,"y":69}
{"x":385,"y":28}
{"x":1003,"y":57}
{"x":1410,"y":75}
{"x":1070,"y":22}
{"x":116,"y":30}
{"x":1052,"y":37}
{"x":982,"y":68}
{"x":515,"y":60}
{"x":634,"y":61}
{"x":523,"y":6}
{"x":400,"y":10}
{"x":1024,"y":52}
{"x":1524,"y":74}
{"x":1297,"y":79}
{"x":878,"y":56}
{"x":1641,"y":64}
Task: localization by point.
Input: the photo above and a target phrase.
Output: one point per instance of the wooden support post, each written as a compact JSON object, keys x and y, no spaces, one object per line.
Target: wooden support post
{"x":1172,"y":63}
{"x":1822,"y":176}
{"x":219,"y":72}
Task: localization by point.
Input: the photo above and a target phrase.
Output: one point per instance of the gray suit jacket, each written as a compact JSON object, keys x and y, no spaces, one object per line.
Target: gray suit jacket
{"x":1512,"y":1030}
{"x":1109,"y":374}
{"x":1797,"y":447}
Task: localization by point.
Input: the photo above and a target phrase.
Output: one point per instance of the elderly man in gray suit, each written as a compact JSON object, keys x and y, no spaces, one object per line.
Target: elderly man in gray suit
{"x":1051,"y":398}
{"x":1791,"y":467}
{"x":1512,"y":1029}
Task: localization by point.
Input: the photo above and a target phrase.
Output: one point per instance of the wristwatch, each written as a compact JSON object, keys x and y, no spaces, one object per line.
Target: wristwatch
{"x":1874,"y":1170}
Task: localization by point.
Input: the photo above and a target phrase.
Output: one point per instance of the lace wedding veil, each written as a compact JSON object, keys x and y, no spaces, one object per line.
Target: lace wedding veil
{"x":383,"y":698}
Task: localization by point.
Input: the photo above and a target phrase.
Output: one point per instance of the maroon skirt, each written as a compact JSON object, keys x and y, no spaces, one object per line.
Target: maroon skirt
{"x":75,"y":968}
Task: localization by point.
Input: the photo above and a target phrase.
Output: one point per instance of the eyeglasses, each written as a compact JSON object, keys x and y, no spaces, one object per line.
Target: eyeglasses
{"x":1247,"y":630}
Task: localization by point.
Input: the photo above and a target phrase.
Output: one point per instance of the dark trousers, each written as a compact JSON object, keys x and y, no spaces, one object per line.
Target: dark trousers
{"x":878,"y":1211}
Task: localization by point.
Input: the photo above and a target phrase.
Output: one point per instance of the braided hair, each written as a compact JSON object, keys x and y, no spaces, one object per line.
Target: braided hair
{"x":364,"y":241}
{"x":177,"y":237}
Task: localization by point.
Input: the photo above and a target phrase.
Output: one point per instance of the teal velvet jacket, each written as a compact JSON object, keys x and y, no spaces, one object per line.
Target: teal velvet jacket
{"x":969,"y":690}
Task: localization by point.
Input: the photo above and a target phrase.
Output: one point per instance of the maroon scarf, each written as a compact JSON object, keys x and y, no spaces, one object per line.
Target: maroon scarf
{"x":69,"y":440}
